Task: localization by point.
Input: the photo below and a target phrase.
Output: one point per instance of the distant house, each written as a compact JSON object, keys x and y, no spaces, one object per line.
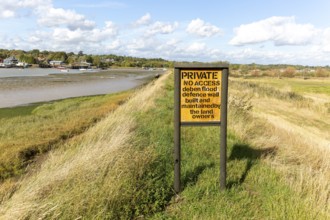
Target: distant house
{"x":10,"y":61}
{"x":81,"y":65}
{"x":56,"y":63}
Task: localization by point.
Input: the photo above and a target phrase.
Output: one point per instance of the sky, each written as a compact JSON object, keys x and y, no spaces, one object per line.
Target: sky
{"x":237,"y":31}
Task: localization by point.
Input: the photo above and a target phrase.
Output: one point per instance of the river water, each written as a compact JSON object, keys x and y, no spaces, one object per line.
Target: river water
{"x":25,"y":86}
{"x":28,"y":72}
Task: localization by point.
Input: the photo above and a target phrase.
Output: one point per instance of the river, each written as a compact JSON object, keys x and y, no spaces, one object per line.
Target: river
{"x":28,"y":72}
{"x":25,"y":86}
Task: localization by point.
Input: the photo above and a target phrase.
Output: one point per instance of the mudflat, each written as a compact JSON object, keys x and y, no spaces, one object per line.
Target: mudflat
{"x":22,"y":90}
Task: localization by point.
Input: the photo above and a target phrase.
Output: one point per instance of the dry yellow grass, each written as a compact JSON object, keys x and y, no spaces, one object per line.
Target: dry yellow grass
{"x":88,"y":169}
{"x":92,"y":170}
{"x":300,"y":135}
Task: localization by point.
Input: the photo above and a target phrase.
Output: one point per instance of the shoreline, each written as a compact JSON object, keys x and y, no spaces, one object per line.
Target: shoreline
{"x":18,"y":91}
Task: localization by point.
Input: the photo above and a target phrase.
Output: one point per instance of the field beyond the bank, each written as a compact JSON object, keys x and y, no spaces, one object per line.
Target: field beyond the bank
{"x":121,"y":165}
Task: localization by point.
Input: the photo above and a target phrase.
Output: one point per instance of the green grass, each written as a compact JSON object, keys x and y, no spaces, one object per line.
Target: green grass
{"x":136,"y":181}
{"x":28,"y":131}
{"x":17,"y":111}
{"x":319,"y":86}
{"x":254,"y":189}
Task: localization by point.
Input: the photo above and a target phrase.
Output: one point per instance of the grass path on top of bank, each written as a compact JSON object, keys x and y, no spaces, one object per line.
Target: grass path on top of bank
{"x":255,"y":190}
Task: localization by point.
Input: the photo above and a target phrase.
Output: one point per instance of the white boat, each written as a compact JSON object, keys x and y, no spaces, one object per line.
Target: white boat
{"x":62,"y":69}
{"x":22,"y":65}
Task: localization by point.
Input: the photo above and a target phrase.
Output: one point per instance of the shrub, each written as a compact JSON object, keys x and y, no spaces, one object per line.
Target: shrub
{"x":320,"y":72}
{"x":289,"y":72}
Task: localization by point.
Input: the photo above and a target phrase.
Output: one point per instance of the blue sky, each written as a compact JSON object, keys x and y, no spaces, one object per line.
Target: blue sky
{"x":238,"y":31}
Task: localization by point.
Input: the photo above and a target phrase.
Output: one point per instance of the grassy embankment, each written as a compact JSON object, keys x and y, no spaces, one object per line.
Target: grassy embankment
{"x":122,"y":168}
{"x":28,"y":131}
{"x":296,"y":119}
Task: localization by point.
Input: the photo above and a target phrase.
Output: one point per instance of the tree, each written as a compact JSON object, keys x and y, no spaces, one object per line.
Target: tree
{"x":89,"y":59}
{"x":96,"y":61}
{"x":27,"y":59}
{"x":244,"y":69}
{"x":289,"y":72}
{"x":70,"y":54}
{"x":62,"y":56}
{"x":72,"y":59}
{"x":35,"y":52}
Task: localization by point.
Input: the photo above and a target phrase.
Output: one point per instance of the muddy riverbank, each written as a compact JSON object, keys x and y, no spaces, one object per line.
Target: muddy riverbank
{"x":23,"y":90}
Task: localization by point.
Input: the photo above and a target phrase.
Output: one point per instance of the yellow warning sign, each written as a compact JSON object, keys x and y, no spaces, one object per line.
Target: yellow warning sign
{"x":200,"y":95}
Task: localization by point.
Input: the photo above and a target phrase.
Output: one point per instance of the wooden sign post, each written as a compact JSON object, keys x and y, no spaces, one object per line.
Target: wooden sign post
{"x":200,"y":98}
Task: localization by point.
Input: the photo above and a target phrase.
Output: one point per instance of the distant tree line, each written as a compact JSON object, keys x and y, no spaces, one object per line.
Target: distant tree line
{"x":102,"y":61}
{"x":42,"y":59}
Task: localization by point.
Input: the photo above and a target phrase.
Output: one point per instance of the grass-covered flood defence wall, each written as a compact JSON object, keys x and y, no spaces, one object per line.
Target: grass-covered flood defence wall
{"x":121,"y":166}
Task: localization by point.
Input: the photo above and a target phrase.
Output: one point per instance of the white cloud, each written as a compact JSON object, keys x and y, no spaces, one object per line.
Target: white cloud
{"x":55,"y":17}
{"x":64,"y":35}
{"x":202,"y":29}
{"x":161,"y":28}
{"x":68,"y":30}
{"x":144,"y":20}
{"x":203,"y":51}
{"x":324,"y":44}
{"x":8,"y":8}
{"x":109,"y":31}
{"x":6,"y":13}
{"x":167,"y":47}
{"x":116,"y":44}
{"x":48,"y":15}
{"x":280,"y":30}
{"x":143,"y":47}
{"x":60,"y":29}
{"x":196,"y":47}
{"x":68,"y":36}
{"x":34,"y":39}
{"x":191,"y":51}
